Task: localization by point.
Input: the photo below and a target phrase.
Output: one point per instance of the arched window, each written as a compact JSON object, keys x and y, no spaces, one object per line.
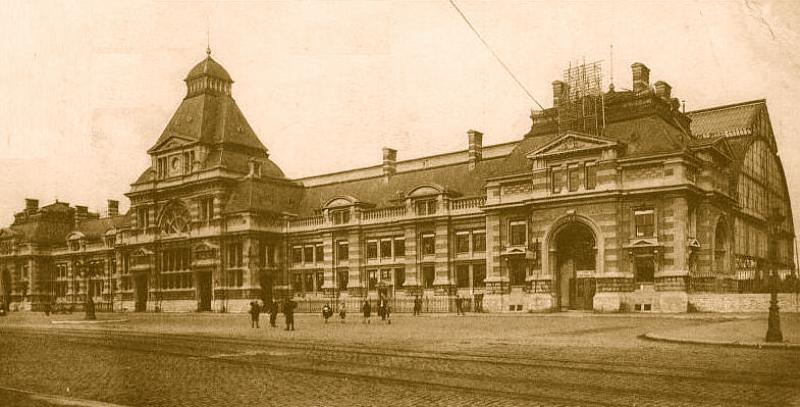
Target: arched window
{"x":174,"y":219}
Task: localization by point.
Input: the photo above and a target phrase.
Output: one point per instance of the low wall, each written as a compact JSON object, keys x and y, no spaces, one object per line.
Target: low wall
{"x":710,"y":302}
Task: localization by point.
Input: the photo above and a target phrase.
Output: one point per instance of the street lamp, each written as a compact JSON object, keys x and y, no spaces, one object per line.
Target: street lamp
{"x":774,"y":333}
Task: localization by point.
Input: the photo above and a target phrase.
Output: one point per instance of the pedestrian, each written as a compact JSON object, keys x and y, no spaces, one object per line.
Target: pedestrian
{"x":255,"y":310}
{"x":417,"y":305}
{"x":327,"y":312}
{"x":459,"y":307}
{"x":342,"y":312}
{"x":273,"y":313}
{"x":47,"y":308}
{"x":288,"y":313}
{"x":367,"y":310}
{"x":387,"y":311}
{"x":382,"y":309}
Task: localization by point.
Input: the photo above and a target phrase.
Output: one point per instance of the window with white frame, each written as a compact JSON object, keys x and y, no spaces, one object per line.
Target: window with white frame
{"x":644,"y":221}
{"x":426,"y":207}
{"x":372,"y":249}
{"x":428,"y":244}
{"x":462,"y":241}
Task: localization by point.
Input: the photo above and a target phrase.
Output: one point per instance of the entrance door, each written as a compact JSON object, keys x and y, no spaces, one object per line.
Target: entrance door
{"x":141,"y":292}
{"x":582,"y":290}
{"x":266,"y":287}
{"x":204,"y":288}
{"x":575,"y":265}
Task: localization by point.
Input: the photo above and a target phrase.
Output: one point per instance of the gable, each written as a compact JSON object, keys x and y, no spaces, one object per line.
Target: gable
{"x":572,"y":143}
{"x":172,"y":142}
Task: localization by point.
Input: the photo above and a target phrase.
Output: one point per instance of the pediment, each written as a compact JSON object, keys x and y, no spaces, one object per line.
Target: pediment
{"x":643,"y":243}
{"x":203,"y":247}
{"x":573,"y":143}
{"x":173,"y":142}
{"x":693,"y":243}
{"x":343,"y":200}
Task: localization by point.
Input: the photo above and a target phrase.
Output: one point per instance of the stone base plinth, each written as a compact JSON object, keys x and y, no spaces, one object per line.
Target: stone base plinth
{"x":607,"y":302}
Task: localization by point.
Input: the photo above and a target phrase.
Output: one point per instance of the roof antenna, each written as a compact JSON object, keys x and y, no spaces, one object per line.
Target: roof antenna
{"x":611,"y":84}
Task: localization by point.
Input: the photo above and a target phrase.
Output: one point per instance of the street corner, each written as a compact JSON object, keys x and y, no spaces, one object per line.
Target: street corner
{"x":742,"y":332}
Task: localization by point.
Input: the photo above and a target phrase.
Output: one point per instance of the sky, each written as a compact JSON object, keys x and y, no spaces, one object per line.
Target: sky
{"x":88,"y":86}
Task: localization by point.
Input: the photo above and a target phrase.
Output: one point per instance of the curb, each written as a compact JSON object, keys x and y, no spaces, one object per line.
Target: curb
{"x":80,"y":322}
{"x":752,"y":345}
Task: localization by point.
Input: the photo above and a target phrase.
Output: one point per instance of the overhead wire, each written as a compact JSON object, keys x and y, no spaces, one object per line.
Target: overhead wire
{"x":497,"y":57}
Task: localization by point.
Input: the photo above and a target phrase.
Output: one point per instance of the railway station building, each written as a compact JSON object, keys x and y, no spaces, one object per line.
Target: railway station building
{"x":616,"y":200}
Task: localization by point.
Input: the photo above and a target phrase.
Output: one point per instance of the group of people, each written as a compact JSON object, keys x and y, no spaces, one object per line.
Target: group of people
{"x":256,"y":307}
{"x":384,"y":311}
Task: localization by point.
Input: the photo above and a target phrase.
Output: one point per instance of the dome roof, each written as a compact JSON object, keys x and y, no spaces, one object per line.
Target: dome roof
{"x":209,"y":67}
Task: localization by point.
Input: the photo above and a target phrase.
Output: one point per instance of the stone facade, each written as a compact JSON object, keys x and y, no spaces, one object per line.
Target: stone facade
{"x":654,"y":210}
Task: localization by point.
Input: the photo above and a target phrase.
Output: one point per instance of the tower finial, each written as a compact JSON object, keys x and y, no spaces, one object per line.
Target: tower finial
{"x":611,"y":84}
{"x":208,"y":38}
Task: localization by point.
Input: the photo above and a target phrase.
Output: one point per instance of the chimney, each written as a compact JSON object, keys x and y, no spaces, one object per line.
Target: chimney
{"x":31,"y":205}
{"x":81,"y":214}
{"x":559,"y":93}
{"x":389,"y":162}
{"x":663,"y":90}
{"x":641,"y":77}
{"x":113,"y":207}
{"x":475,"y":147}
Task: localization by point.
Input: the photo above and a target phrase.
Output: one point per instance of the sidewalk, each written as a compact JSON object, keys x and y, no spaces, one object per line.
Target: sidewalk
{"x":736,"y":333}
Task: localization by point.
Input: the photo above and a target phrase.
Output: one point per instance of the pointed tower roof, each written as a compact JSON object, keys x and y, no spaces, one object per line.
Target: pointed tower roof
{"x":208,"y":114}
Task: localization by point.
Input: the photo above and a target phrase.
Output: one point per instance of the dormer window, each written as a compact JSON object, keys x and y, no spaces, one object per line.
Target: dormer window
{"x":340,"y":216}
{"x":426,"y":207}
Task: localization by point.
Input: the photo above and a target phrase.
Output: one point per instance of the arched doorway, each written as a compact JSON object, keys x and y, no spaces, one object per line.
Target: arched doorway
{"x":575,"y":263}
{"x":721,"y":247}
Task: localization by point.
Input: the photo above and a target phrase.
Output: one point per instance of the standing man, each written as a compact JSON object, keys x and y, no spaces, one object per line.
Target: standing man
{"x":288,"y":313}
{"x":459,"y":306}
{"x":255,"y":310}
{"x":417,"y":305}
{"x":273,"y":313}
{"x":367,"y":310}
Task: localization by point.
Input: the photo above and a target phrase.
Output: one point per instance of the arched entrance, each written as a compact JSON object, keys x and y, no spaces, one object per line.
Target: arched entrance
{"x":575,"y":263}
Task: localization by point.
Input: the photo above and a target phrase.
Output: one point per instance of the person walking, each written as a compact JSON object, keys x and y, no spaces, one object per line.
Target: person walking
{"x":255,"y":310}
{"x":288,"y":313}
{"x":327,"y":312}
{"x":273,"y":313}
{"x":459,"y":305}
{"x":342,"y":312}
{"x":367,"y":310}
{"x":382,"y":309}
{"x":417,"y":305}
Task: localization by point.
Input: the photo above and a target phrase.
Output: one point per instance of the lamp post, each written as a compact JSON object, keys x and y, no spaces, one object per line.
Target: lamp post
{"x":774,"y":333}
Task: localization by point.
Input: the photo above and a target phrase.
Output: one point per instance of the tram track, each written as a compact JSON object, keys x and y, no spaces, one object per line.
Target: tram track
{"x":347,"y":361}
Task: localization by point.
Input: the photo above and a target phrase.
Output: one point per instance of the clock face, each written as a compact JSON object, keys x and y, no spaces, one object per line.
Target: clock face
{"x":176,"y":163}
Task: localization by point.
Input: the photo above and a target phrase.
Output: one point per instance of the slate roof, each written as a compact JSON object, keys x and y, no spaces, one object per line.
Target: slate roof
{"x":209,"y":67}
{"x":729,"y":121}
{"x":210,"y":119}
{"x":95,"y":229}
{"x":647,"y":135}
{"x":374,"y":190}
{"x":260,"y":195}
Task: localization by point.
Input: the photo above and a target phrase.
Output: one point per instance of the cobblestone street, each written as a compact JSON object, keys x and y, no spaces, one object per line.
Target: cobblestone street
{"x":198,"y":360}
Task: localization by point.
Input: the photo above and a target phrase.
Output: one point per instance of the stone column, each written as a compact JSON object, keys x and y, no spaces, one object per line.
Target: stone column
{"x":329,"y":283}
{"x":496,"y":282}
{"x":356,"y":287}
{"x":442,"y":283}
{"x":412,"y":284}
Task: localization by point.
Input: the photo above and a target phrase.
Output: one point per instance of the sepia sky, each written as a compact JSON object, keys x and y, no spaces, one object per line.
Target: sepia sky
{"x":88,"y":86}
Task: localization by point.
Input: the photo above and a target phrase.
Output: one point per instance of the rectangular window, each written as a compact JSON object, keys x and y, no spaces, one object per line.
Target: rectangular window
{"x":517,"y":233}
{"x":319,"y":253}
{"x":591,"y":176}
{"x":343,"y":277}
{"x":343,"y":250}
{"x":309,"y":282}
{"x":644,"y":220}
{"x":142,"y":218}
{"x":573,"y":177}
{"x":341,"y":216}
{"x":372,"y":279}
{"x":462,"y":276}
{"x":297,"y":254}
{"x":399,"y":277}
{"x":234,"y":254}
{"x":308,"y":254}
{"x":478,"y":274}
{"x":644,"y":269}
{"x":427,"y":207}
{"x":556,"y":179}
{"x":187,"y":163}
{"x":478,"y":241}
{"x":399,"y":247}
{"x":462,"y":242}
{"x":428,"y":275}
{"x":372,"y":249}
{"x":320,"y":280}
{"x":386,"y":248}
{"x":206,"y":209}
{"x":428,"y":244}
{"x":386,"y":275}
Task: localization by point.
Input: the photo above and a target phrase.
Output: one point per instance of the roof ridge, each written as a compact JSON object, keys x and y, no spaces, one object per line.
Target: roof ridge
{"x":728,"y":106}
